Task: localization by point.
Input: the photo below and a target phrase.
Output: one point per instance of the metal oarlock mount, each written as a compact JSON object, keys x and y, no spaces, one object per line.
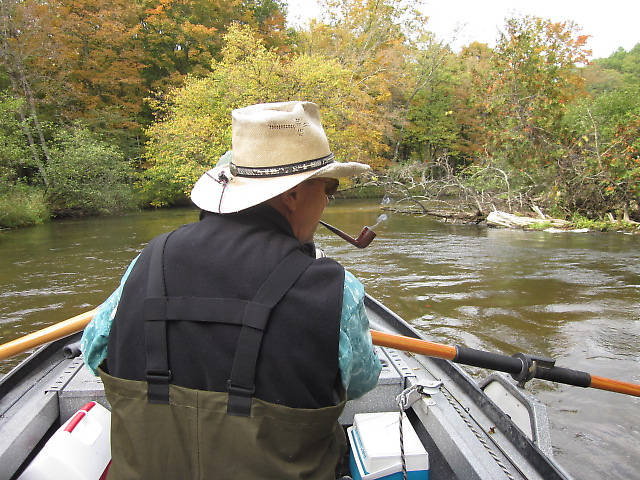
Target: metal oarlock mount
{"x":532,"y":366}
{"x":405,"y":400}
{"x":409,"y":396}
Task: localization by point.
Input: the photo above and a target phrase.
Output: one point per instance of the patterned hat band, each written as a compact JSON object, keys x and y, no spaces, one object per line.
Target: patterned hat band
{"x":282,"y":170}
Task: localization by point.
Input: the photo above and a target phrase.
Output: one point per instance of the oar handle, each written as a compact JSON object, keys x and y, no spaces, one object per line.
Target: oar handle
{"x":46,"y":335}
{"x":521,"y":366}
{"x":458,"y":354}
{"x":618,"y":386}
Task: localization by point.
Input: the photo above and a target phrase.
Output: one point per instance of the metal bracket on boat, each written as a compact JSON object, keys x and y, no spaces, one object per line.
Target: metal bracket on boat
{"x":417,"y":392}
{"x":530,"y":366}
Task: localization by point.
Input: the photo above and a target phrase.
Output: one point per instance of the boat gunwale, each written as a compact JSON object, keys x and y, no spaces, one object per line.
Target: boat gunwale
{"x":542,"y":462}
{"x":33,"y":363}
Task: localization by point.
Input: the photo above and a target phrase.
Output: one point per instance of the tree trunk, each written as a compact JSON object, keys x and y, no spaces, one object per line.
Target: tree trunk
{"x":19,"y":82}
{"x":34,"y":115}
{"x":27,"y":133}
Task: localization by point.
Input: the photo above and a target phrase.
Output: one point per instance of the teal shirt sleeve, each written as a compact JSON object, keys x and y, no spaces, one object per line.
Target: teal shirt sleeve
{"x":96,"y":334}
{"x":359,"y":364}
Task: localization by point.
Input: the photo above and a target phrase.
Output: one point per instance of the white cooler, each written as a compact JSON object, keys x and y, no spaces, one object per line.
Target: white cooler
{"x":375,"y":448}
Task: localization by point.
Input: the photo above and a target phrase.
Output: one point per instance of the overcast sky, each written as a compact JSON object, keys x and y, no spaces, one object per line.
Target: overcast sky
{"x":611,"y":23}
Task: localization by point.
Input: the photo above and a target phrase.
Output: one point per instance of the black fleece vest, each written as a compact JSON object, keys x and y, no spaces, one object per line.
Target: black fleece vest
{"x":230,"y":256}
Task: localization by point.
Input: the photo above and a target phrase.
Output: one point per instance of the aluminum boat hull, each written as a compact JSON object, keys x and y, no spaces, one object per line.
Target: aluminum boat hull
{"x":471,"y":430}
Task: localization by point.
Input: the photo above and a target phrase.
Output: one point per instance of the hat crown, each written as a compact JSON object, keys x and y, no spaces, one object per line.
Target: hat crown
{"x":277,"y":134}
{"x":276,"y":146}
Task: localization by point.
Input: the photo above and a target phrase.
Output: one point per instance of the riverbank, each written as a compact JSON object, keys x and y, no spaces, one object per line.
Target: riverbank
{"x":27,"y":207}
{"x":498,"y":219}
{"x":23,"y":207}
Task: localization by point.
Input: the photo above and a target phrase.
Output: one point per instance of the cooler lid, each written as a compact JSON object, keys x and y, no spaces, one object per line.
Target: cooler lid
{"x":377,"y":439}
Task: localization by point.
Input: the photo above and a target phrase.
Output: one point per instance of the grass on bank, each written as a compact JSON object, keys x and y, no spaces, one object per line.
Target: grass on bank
{"x":538,"y":226}
{"x":22,"y":205}
{"x":578,"y":221}
{"x":589,"y":224}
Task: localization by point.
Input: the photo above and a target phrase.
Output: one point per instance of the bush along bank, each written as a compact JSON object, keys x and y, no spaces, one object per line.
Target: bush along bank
{"x":361,"y":191}
{"x":84,"y":175}
{"x":21,"y":206}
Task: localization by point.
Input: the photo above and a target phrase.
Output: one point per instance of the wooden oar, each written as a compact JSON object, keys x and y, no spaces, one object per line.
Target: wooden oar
{"x":46,"y":335}
{"x":522,"y":367}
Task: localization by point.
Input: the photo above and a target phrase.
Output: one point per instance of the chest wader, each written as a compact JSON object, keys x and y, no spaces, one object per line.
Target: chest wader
{"x":162,"y":430}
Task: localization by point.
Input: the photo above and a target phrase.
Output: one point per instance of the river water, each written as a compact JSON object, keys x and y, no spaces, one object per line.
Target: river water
{"x":573,"y":297}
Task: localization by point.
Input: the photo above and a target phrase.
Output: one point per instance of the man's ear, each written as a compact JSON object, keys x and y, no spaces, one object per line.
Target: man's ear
{"x":290,"y":199}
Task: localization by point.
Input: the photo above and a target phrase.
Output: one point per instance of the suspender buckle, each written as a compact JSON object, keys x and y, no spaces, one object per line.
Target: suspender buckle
{"x":158,"y":376}
{"x":239,"y":401}
{"x":158,"y":386}
{"x":239,"y":391}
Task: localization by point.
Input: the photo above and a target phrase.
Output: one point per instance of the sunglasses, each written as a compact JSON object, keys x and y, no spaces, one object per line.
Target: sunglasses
{"x":331,"y":186}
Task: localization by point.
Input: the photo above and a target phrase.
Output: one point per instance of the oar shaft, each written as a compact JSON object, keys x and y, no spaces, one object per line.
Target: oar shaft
{"x":618,"y":386}
{"x":457,"y":354}
{"x":503,"y":363}
{"x":46,"y":335}
{"x":414,"y":345}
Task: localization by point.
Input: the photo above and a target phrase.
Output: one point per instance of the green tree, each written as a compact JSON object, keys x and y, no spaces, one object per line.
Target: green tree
{"x":604,"y":173}
{"x":23,"y":26}
{"x":533,"y":80}
{"x":194,"y":126}
{"x":625,"y":63}
{"x":14,"y":157}
{"x":432,"y":130}
{"x":470,"y":107}
{"x":600,"y":80}
{"x":89,"y":175}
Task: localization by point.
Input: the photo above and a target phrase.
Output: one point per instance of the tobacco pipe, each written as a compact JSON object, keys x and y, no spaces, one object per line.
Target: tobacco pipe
{"x":363,"y":240}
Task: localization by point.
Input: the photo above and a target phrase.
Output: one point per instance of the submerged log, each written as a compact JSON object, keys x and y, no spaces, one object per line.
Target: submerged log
{"x":442,"y":215}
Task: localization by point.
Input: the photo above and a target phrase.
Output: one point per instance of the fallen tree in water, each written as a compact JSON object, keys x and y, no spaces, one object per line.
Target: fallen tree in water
{"x":509,"y":220}
{"x":451,"y":194}
{"x":476,"y":195}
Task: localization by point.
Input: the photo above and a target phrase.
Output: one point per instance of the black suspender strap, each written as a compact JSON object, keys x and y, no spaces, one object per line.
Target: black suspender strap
{"x":155,"y":329}
{"x":159,"y":308}
{"x":195,"y":309}
{"x":241,"y":385}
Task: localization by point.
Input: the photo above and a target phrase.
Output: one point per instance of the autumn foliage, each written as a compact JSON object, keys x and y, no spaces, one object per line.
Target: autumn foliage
{"x":151,"y":84}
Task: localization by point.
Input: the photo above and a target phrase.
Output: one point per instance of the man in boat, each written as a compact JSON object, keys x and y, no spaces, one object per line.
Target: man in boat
{"x":228,"y":350}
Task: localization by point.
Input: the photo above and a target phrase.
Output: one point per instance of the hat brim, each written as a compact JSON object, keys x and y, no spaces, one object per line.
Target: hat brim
{"x":239,"y":193}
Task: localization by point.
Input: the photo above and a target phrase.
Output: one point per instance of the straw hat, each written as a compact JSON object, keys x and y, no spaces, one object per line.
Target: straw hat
{"x":275,"y":147}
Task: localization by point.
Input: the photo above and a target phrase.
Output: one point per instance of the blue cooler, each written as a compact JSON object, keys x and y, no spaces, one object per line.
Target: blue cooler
{"x":375,"y":448}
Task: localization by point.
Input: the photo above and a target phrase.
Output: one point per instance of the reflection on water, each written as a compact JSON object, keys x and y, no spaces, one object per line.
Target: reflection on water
{"x":574,"y":297}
